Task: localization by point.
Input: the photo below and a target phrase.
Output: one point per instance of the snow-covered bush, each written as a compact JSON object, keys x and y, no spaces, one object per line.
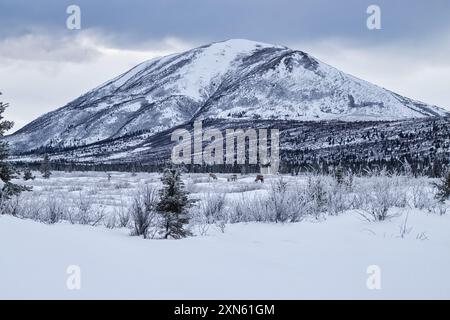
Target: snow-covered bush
{"x":210,"y":209}
{"x":84,"y":200}
{"x":278,"y":201}
{"x":85,"y":211}
{"x":31,"y":208}
{"x":10,"y":206}
{"x":338,"y":199}
{"x":122,"y":214}
{"x":199,"y":222}
{"x":84,"y":208}
{"x":421,"y":195}
{"x":316,"y":193}
{"x":54,"y":210}
{"x":378,"y":195}
{"x":283,"y":203}
{"x":440,"y":208}
{"x":299,"y":204}
{"x":143,"y":212}
{"x":248,"y":208}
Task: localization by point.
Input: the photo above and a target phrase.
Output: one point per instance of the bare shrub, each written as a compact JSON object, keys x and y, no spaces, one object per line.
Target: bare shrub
{"x":98,"y":216}
{"x":278,"y":201}
{"x":249,"y":208}
{"x":143,"y":212}
{"x":299,"y":204}
{"x":85,"y":211}
{"x":84,"y":208}
{"x":240,"y":210}
{"x":54,"y":210}
{"x":122,"y":215}
{"x":124,"y":218}
{"x":378,"y":196}
{"x":10,"y":206}
{"x":316,"y":195}
{"x":421,"y":195}
{"x":31,"y":208}
{"x":338,"y":199}
{"x":281,"y":204}
{"x":211,"y":209}
{"x":199,"y":221}
{"x":212,"y":206}
{"x":439,"y":208}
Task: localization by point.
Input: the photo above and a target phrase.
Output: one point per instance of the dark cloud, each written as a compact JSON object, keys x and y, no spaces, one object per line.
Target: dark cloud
{"x":133,"y":22}
{"x":39,"y":55}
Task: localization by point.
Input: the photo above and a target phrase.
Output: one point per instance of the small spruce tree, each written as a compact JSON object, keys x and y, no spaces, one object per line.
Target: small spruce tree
{"x":7,"y":171}
{"x":339,"y":175}
{"x":443,"y":188}
{"x":173,"y":205}
{"x":45,"y":167}
{"x":27,"y":175}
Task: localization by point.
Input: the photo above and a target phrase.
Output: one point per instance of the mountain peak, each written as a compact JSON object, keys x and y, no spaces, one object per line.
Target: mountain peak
{"x":245,"y":43}
{"x":235,"y":79}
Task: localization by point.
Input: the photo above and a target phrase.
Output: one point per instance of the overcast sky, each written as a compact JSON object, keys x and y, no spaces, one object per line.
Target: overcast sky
{"x":43,"y":65}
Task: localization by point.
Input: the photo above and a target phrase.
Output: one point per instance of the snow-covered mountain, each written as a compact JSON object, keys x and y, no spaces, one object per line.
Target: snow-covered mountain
{"x":234,"y":79}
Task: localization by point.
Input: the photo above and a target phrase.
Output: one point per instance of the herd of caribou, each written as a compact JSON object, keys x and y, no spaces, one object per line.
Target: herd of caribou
{"x":233,"y":177}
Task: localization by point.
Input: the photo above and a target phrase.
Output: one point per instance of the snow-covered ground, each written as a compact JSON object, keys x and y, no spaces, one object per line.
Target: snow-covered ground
{"x":325,"y":258}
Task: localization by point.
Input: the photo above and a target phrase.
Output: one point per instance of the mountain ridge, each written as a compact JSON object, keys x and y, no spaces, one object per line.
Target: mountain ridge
{"x":234,"y":79}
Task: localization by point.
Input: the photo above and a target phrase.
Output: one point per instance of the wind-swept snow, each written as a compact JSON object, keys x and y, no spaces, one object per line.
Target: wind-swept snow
{"x":249,"y":261}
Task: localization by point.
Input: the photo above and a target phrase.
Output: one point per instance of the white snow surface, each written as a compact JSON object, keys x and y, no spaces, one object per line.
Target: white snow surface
{"x":305,"y":260}
{"x":250,"y":261}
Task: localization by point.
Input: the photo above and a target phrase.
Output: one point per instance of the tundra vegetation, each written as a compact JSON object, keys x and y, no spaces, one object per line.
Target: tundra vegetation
{"x":176,"y":205}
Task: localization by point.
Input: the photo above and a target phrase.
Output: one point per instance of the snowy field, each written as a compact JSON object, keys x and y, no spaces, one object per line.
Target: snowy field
{"x":315,"y":250}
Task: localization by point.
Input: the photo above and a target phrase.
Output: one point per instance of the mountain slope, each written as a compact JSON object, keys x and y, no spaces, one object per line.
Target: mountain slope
{"x":234,"y":79}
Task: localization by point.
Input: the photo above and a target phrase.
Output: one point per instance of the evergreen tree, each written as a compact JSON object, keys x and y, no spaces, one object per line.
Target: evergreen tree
{"x":339,"y":175}
{"x":27,"y":175}
{"x":173,"y":205}
{"x":443,"y":187}
{"x":7,"y":171}
{"x":45,"y":167}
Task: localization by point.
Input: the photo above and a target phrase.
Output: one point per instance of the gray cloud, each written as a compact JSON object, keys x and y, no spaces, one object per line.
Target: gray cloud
{"x":38,"y":55}
{"x":418,"y":72}
{"x":135,"y":21}
{"x":42,"y":46}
